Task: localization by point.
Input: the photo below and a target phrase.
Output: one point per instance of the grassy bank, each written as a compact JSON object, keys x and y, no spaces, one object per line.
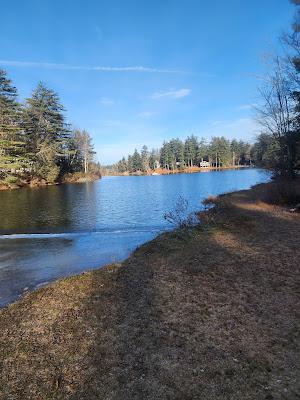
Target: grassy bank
{"x":206,"y":313}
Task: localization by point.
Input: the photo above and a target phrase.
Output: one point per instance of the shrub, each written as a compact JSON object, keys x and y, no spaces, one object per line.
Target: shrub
{"x":210,"y":202}
{"x":10,"y":179}
{"x":283,"y":192}
{"x":49,"y":172}
{"x":180,"y":217}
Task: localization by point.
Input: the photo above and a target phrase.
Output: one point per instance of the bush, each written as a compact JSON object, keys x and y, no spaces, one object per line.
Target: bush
{"x":179,"y":216}
{"x":10,"y":180}
{"x":283,"y":192}
{"x":49,"y":172}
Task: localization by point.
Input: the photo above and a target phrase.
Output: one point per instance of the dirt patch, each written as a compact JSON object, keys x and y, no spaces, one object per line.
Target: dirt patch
{"x":206,"y":313}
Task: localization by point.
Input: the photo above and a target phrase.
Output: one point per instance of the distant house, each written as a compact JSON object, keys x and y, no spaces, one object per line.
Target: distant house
{"x":204,"y":164}
{"x":156,"y":164}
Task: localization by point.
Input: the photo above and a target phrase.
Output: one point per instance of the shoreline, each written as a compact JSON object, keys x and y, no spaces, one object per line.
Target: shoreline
{"x":193,"y":313}
{"x":35,"y":183}
{"x":190,"y":170}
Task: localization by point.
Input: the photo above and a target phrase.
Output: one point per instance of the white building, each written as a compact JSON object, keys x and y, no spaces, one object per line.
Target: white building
{"x":156,"y":164}
{"x":204,"y":164}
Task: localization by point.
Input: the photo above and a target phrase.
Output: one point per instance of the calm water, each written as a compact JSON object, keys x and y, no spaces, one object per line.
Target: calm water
{"x":62,"y":230}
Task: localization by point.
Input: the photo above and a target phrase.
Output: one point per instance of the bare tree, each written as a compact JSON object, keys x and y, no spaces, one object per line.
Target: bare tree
{"x":84,"y":148}
{"x":277,"y":114}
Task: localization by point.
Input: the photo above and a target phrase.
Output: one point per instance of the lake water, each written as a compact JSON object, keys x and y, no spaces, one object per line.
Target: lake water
{"x":58,"y":231}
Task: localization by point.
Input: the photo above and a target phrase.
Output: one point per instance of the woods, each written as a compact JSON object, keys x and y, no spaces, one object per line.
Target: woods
{"x":177,"y":275}
{"x":276,"y":148}
{"x":176,"y":154}
{"x":278,"y":111}
{"x":36,"y":142}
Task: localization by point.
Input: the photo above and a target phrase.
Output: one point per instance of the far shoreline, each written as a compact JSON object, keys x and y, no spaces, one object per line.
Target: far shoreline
{"x":190,"y":170}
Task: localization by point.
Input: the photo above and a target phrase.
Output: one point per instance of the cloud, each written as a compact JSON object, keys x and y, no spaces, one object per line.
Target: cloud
{"x":106,"y":101}
{"x":145,"y":114}
{"x":246,"y":107}
{"x":240,"y":128}
{"x":172,"y":94}
{"x":68,"y":67}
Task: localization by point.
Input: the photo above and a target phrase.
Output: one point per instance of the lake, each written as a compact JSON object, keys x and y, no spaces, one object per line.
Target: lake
{"x":57,"y":231}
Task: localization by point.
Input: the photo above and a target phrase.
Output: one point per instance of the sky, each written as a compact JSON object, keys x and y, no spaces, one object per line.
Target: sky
{"x":135,"y":72}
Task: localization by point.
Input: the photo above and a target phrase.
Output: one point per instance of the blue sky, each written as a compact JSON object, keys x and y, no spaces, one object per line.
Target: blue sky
{"x":136,"y":72}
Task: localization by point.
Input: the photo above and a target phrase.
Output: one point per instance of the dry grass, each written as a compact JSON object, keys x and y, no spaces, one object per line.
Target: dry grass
{"x":208,"y":314}
{"x":283,"y":192}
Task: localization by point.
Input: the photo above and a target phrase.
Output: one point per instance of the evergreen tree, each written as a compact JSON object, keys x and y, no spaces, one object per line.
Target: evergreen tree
{"x":153,"y":158}
{"x":190,"y":150}
{"x":145,"y":158}
{"x":12,"y":152}
{"x":166,"y":158}
{"x":202,"y":151}
{"x":47,"y":133}
{"x":244,"y":152}
{"x":176,"y":155}
{"x":176,"y":149}
{"x":129,"y":164}
{"x":266,"y":152}
{"x":122,"y":166}
{"x":220,"y":151}
{"x":136,"y":161}
{"x":235,"y":151}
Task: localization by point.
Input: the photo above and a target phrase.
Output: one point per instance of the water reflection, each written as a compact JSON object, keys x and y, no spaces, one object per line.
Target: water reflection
{"x":28,"y":263}
{"x":18,"y":268}
{"x":67,"y":229}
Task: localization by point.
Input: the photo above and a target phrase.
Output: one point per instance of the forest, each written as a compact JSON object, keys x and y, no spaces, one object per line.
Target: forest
{"x":277,"y":112}
{"x":36,"y":142}
{"x":176,"y":155}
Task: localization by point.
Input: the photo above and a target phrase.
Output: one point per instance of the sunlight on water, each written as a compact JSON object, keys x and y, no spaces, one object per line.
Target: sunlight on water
{"x":62,"y":230}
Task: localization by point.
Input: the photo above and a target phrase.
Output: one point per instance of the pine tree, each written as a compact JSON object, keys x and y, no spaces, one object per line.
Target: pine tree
{"x":220,"y":151}
{"x":202,"y":151}
{"x":190,"y":150}
{"x":145,"y":158}
{"x":122,"y":166}
{"x":235,"y":151}
{"x":47,"y":133}
{"x":136,"y":162}
{"x":153,"y":158}
{"x":12,"y":152}
{"x":166,"y":156}
{"x":176,"y":150}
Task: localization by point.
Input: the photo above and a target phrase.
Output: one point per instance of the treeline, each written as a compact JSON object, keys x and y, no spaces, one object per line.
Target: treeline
{"x":36,"y":142}
{"x":176,"y":154}
{"x":278,"y":147}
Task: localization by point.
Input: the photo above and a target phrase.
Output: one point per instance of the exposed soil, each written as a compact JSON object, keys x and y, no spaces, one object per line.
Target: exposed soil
{"x":206,"y":313}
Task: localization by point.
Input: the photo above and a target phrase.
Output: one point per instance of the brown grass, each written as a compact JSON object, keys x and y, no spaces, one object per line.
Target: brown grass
{"x":283,"y":192}
{"x":211,"y":313}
